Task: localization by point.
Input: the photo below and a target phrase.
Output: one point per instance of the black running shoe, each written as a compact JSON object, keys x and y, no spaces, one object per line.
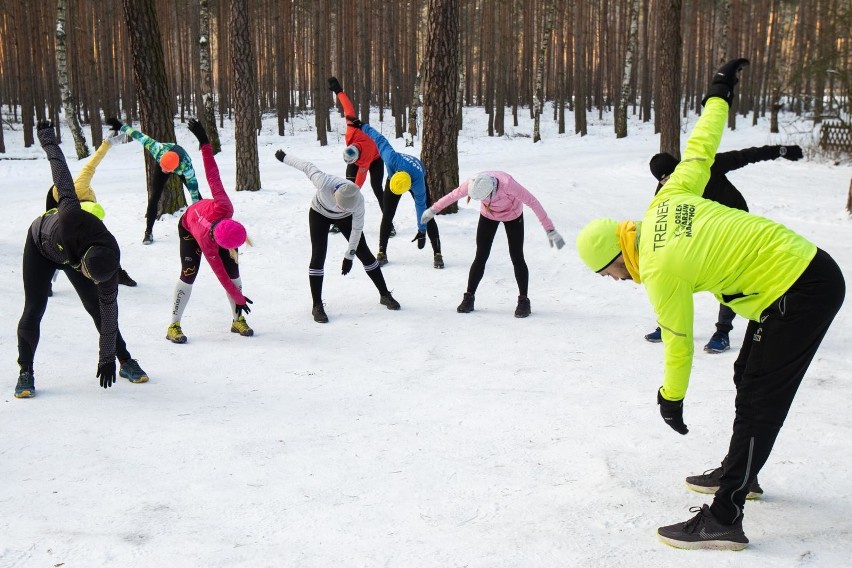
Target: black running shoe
{"x":523,"y":309}
{"x":26,"y":385}
{"x":382,"y":258}
{"x":148,"y":238}
{"x":704,"y":531}
{"x":319,"y":314}
{"x":388,"y":301}
{"x":466,"y":305}
{"x":438,"y":260}
{"x":708,"y":482}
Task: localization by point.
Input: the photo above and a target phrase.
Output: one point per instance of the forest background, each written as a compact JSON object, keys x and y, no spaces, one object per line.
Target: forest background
{"x":151,"y":61}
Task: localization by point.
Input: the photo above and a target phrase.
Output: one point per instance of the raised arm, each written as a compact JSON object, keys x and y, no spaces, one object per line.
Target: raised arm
{"x":58,"y":167}
{"x":727,"y":161}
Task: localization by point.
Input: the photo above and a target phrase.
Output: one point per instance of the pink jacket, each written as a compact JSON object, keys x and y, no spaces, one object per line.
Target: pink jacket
{"x":505,"y":204}
{"x":200,"y":217}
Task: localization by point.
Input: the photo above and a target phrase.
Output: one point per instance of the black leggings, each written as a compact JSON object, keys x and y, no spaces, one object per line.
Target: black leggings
{"x":190,"y":257}
{"x":775,"y":355}
{"x":485,"y":232}
{"x":390,"y":201}
{"x":319,"y":225}
{"x":158,"y":183}
{"x":377,"y":174}
{"x":37,"y":273}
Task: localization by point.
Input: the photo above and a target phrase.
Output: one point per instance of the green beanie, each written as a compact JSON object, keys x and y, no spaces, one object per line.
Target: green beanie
{"x":597,"y":243}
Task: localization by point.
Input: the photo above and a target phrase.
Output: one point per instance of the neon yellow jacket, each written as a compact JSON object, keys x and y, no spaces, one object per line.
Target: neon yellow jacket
{"x":688,"y":244}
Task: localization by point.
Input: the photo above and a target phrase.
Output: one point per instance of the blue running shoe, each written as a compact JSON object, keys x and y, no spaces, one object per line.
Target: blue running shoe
{"x":718,"y":343}
{"x":131,"y":371}
{"x":655,"y":336}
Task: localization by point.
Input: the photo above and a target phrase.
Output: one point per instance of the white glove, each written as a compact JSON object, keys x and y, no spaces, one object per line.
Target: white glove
{"x":427,"y":216}
{"x":116,"y":139}
{"x":555,"y":239}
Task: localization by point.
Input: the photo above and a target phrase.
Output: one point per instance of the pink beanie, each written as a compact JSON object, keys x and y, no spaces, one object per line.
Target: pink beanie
{"x":229,"y":234}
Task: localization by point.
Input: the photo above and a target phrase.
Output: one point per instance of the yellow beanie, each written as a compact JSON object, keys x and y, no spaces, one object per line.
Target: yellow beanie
{"x":400,"y":182}
{"x":597,"y":243}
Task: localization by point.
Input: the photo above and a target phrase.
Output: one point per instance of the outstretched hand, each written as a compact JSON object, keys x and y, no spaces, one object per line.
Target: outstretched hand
{"x":334,"y":85}
{"x":279,"y":155}
{"x":198,"y":129}
{"x":354,"y":121}
{"x":244,"y":307}
{"x":114,"y":124}
{"x":106,"y":374}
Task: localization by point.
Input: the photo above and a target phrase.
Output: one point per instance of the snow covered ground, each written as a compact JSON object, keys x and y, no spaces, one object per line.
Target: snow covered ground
{"x":421,"y":437}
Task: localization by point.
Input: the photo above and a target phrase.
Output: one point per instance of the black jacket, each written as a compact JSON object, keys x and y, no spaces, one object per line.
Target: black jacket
{"x":65,"y":234}
{"x":719,"y":188}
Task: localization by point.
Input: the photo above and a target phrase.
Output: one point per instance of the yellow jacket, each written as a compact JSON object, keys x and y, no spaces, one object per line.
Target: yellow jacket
{"x":688,"y":244}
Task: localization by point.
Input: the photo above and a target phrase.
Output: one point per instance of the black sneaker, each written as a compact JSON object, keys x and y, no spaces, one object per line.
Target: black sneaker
{"x":392,"y":232}
{"x":523,"y":309}
{"x":319,"y":314}
{"x":466,"y":305}
{"x":148,"y":238}
{"x":26,"y":385}
{"x":382,"y":258}
{"x":388,"y":301}
{"x":708,"y":482}
{"x":125,"y":279}
{"x":704,"y":531}
{"x":438,"y":261}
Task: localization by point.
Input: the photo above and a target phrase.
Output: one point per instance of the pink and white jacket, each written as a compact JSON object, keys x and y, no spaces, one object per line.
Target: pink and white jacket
{"x":505,"y":204}
{"x":203,"y":214}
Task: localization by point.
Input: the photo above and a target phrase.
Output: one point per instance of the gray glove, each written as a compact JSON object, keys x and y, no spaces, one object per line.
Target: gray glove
{"x":555,"y":239}
{"x":115,"y":139}
{"x":427,"y":216}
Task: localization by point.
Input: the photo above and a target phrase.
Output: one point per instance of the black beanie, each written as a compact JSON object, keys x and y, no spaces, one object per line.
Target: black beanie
{"x":100,"y":263}
{"x":662,"y":165}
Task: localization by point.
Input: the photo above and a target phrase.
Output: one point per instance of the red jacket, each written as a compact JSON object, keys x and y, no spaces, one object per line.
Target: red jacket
{"x":367,"y":151}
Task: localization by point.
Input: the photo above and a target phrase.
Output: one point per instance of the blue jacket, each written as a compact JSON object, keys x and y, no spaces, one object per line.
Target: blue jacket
{"x":396,"y":162}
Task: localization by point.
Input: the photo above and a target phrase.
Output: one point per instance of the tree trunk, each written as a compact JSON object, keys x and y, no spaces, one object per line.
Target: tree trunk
{"x":245,"y":98}
{"x":669,"y":76}
{"x":539,"y":69}
{"x":440,"y":135}
{"x":208,"y":105}
{"x":69,"y":103}
{"x":149,"y":76}
{"x":624,"y":94}
{"x":579,"y":70}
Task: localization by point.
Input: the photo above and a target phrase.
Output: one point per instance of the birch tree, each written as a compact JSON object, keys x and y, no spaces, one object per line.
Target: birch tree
{"x":539,"y":69}
{"x":627,"y":73}
{"x":208,"y":112}
{"x":69,"y":103}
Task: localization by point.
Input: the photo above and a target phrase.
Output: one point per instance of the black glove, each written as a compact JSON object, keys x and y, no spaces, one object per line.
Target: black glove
{"x":334,"y":85}
{"x":244,"y":307}
{"x":196,"y":128}
{"x":45,"y":132}
{"x":106,"y":374}
{"x":672,"y":413}
{"x":420,"y":237}
{"x":791,"y":153}
{"x":347,"y":266}
{"x":723,"y":82}
{"x":114,"y":124}
{"x":354,"y":121}
{"x":279,"y":155}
